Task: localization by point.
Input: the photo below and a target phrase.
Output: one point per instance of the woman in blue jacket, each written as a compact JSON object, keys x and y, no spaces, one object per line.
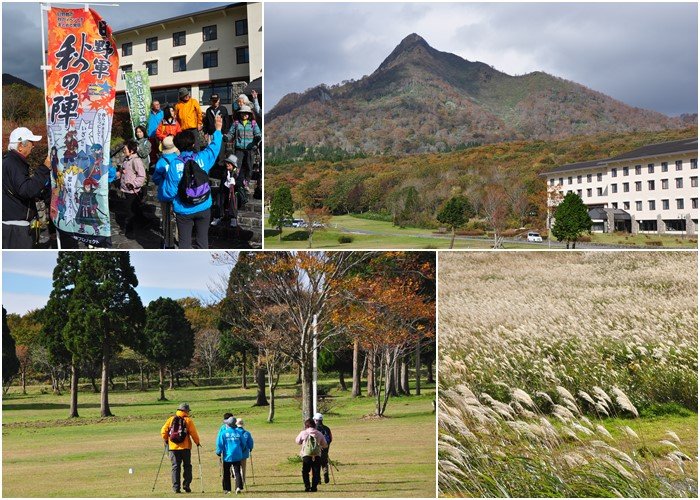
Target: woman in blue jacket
{"x":229,"y":446}
{"x":191,"y":217}
{"x":247,"y":441}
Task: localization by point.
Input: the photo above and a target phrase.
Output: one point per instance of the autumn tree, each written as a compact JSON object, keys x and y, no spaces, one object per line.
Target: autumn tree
{"x":281,"y":208}
{"x":571,"y":220}
{"x":455,"y":213}
{"x":10,"y":363}
{"x":495,"y":207}
{"x":26,"y":330}
{"x":170,"y":339}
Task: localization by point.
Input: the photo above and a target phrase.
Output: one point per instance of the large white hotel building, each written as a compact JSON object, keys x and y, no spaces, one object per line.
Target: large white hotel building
{"x":217,"y":50}
{"x":651,"y":189}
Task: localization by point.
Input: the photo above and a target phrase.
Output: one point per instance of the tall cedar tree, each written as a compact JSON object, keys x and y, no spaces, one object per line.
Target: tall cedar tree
{"x":10,"y":362}
{"x":169,"y":337}
{"x":54,"y":323}
{"x":455,"y":213}
{"x":236,"y":310}
{"x":281,"y":208}
{"x":571,"y":220}
{"x":104,"y":312}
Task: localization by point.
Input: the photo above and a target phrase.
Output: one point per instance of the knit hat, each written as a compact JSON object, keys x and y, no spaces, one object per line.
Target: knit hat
{"x":183,"y":92}
{"x":232,"y":159}
{"x":184,"y":407}
{"x":169,"y":145}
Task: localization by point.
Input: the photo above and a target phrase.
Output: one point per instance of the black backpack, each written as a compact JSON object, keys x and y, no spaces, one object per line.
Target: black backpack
{"x":178,"y":430}
{"x":193,"y":187}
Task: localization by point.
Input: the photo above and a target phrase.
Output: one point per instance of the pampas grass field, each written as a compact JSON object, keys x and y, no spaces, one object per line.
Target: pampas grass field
{"x":568,"y":374}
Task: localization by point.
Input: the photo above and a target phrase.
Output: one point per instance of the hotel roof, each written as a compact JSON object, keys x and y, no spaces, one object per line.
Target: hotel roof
{"x":178,"y":18}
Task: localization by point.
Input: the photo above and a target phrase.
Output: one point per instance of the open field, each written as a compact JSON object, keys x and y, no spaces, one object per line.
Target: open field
{"x":568,"y":374}
{"x":45,"y":455}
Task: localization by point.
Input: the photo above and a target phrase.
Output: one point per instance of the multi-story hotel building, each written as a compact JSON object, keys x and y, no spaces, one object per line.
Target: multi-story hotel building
{"x":216,"y":50}
{"x":650,"y":189}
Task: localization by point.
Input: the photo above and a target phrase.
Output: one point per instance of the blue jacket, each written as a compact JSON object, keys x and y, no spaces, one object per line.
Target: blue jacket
{"x":229,"y":444}
{"x":244,"y":135}
{"x":247,"y":440}
{"x":154,"y":120}
{"x":206,"y":160}
{"x":161,"y":171}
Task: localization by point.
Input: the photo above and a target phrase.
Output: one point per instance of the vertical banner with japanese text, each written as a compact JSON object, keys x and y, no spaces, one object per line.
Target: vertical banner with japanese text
{"x":139,"y":91}
{"x":80,"y":90}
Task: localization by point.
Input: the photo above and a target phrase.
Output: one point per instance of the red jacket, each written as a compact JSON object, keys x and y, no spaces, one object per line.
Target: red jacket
{"x":165,"y":129}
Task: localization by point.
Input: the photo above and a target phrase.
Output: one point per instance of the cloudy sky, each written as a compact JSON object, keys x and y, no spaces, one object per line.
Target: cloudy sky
{"x":644,"y":54}
{"x":21,"y":28}
{"x":26,"y":277}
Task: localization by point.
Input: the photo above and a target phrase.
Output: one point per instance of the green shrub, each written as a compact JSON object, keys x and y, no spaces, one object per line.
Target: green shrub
{"x":344,"y":238}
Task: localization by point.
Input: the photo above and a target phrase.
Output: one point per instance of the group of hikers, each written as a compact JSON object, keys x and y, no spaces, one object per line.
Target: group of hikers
{"x":234,"y":446}
{"x":184,"y":149}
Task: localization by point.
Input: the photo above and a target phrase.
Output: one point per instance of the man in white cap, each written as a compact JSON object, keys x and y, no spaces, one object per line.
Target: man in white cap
{"x":19,"y":189}
{"x":326,"y":431}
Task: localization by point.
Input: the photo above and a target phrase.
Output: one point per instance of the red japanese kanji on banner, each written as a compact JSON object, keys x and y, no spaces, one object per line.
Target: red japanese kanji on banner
{"x":80,"y":90}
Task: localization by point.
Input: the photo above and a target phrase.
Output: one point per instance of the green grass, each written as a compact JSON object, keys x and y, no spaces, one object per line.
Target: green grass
{"x":393,"y":456}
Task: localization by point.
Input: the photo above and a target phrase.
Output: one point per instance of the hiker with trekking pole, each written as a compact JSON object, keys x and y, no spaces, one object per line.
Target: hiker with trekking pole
{"x":326,"y":431}
{"x":229,"y":448}
{"x":312,"y":443}
{"x":247,"y":442}
{"x":178,"y":432}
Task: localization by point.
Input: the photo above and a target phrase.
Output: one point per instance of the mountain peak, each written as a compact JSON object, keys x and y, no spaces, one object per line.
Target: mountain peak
{"x":411,"y":41}
{"x":409,"y":44}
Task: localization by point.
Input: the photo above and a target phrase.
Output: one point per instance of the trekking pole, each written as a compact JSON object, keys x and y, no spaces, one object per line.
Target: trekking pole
{"x":331,"y":468}
{"x":252,"y":467}
{"x":201,"y":479}
{"x":221,"y":468}
{"x":165,"y":448}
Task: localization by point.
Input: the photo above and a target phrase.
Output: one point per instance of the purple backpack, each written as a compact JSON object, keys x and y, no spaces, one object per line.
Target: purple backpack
{"x":194,"y":187}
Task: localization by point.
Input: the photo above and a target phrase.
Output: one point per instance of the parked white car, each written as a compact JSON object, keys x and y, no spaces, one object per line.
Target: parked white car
{"x":533,"y":236}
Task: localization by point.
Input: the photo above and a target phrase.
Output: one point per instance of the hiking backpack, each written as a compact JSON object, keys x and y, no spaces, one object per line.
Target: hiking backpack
{"x":311,"y":447}
{"x":178,"y":430}
{"x":193,"y":187}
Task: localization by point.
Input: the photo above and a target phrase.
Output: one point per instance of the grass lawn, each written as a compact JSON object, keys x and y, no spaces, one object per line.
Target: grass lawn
{"x":645,"y":241}
{"x":46,"y":455}
{"x":383,"y":235}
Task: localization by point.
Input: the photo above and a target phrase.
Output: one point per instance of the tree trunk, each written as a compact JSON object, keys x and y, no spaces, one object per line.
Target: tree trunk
{"x":341,"y":379}
{"x":244,"y":371}
{"x":356,"y":380}
{"x":307,"y":393}
{"x":298,"y":382}
{"x":431,"y":380}
{"x":73,"y":391}
{"x":391,"y":376}
{"x":177,"y":379}
{"x":172,"y":379}
{"x":271,"y":413}
{"x":141,"y":374}
{"x":260,"y":381}
{"x":24,"y":381}
{"x":452,"y":241}
{"x":162,"y":383}
{"x":95,"y":389}
{"x":416,"y":355}
{"x":104,"y":394}
{"x":405,"y":385}
{"x":126,"y":381}
{"x":370,"y":374}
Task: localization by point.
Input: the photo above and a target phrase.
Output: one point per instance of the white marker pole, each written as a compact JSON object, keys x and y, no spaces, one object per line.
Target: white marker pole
{"x":315,"y":367}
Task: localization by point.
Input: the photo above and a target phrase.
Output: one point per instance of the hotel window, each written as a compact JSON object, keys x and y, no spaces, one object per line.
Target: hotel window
{"x":570,"y":180}
{"x":579,"y":193}
{"x":694,"y":182}
{"x":579,"y":178}
{"x":664,"y":166}
{"x":551,"y":181}
{"x":242,"y":56}
{"x":664,"y":183}
{"x":625,"y":171}
{"x":179,"y":64}
{"x":599,"y":177}
{"x":589,"y":192}
{"x":178,"y":38}
{"x":128,"y":68}
{"x":613,"y":172}
{"x":127,"y":49}
{"x":210,"y":59}
{"x":694,"y":203}
{"x":626,"y":205}
{"x":652,"y":204}
{"x":650,"y":168}
{"x":209,"y":33}
{"x":637,"y":169}
{"x":152,"y":67}
{"x":651,"y":185}
{"x":693,"y":163}
{"x":599,"y":191}
{"x":241,"y":27}
{"x":664,"y":205}
{"x":679,"y":203}
{"x":151,"y":44}
{"x":638,"y":186}
{"x":638,"y":205}
{"x":614,"y":205}
{"x":561,"y":181}
{"x":679,"y":182}
{"x":613,"y":188}
{"x":589,"y":177}
{"x":679,"y":165}
{"x":625,"y":187}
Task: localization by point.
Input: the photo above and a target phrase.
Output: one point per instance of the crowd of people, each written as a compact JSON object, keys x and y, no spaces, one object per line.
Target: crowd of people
{"x":180,"y":149}
{"x":234,"y":446}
